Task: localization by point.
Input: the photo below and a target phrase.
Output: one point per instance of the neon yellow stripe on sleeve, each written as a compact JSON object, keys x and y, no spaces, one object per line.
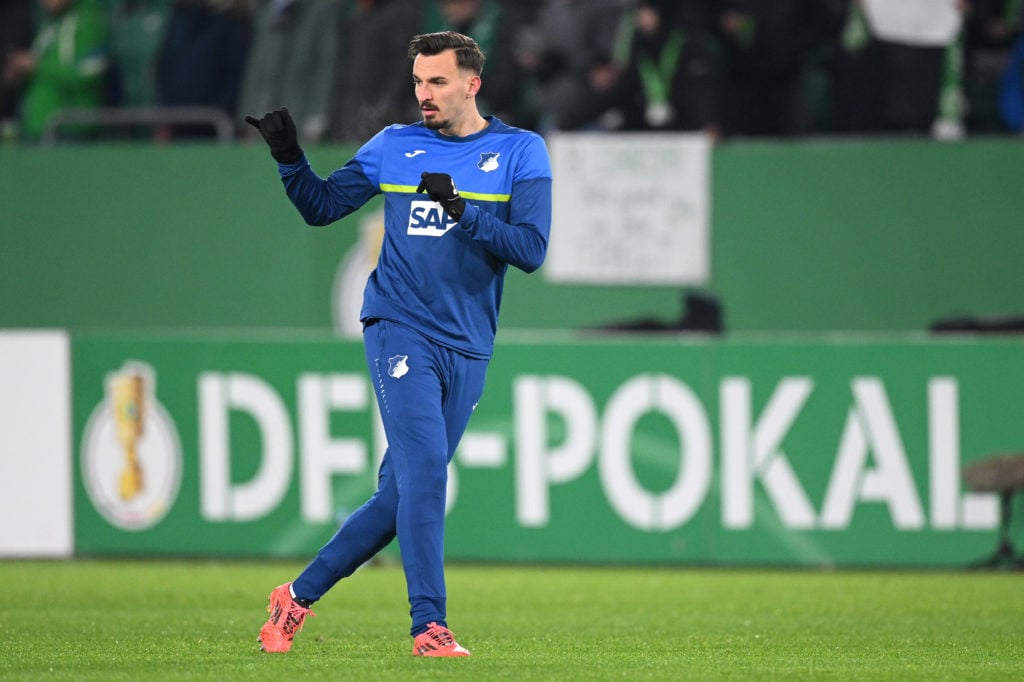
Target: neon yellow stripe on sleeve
{"x":400,"y":189}
{"x":479,"y":196}
{"x":486,"y":197}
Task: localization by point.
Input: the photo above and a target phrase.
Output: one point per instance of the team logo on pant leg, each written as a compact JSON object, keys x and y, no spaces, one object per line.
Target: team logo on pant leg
{"x":398,"y":366}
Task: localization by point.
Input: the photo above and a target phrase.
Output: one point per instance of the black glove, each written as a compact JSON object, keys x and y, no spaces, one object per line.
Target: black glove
{"x":278,"y":129}
{"x":441,"y":188}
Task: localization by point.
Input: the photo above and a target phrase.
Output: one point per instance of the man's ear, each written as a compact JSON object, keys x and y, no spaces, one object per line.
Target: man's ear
{"x":474,"y":87}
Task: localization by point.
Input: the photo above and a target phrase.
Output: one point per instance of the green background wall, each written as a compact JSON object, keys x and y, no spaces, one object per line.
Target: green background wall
{"x":806,"y":236}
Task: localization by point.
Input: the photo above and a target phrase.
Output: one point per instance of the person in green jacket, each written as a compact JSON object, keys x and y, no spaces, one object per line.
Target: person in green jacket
{"x":67,"y":65}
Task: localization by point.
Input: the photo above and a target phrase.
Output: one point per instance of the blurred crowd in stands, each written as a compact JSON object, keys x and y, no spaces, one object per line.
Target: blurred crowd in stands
{"x":735,"y":68}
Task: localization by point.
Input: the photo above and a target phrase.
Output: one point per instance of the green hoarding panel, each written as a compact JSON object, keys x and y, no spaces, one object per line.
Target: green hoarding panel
{"x":810,"y":236}
{"x":841,"y":452}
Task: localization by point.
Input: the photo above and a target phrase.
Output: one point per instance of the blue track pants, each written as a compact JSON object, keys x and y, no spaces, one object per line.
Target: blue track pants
{"x":426,"y":395}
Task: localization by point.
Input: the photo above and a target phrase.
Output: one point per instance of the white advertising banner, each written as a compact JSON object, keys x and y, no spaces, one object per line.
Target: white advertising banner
{"x":35,"y":444}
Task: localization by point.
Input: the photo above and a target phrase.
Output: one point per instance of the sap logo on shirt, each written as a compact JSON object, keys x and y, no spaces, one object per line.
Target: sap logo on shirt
{"x":428,"y":219}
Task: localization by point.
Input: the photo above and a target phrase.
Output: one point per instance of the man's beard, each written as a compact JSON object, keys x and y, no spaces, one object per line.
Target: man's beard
{"x":434,"y":123}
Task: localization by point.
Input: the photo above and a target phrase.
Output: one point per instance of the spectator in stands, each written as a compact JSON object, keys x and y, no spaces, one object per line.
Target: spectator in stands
{"x":66,"y":66}
{"x":372,"y":84}
{"x":138,"y":31}
{"x":202,"y":59}
{"x":293,"y":59}
{"x":990,"y":29}
{"x":577,"y":59}
{"x":766,"y":47}
{"x":16,"y":31}
{"x":1011,"y":92}
{"x":855,"y":96}
{"x":675,"y":74}
{"x":907,"y":75}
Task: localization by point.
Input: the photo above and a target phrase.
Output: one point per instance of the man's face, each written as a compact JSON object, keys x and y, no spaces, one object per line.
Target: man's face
{"x":442,"y":89}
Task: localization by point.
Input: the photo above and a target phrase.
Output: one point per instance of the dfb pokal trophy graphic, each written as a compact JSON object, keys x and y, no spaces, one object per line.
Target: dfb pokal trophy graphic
{"x":131,"y":454}
{"x":129,"y":414}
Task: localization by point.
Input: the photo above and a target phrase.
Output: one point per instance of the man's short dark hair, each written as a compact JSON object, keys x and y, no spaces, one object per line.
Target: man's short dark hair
{"x":468,"y":54}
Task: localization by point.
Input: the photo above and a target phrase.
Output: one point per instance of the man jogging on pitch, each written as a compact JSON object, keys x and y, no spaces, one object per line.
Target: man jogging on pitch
{"x":465,"y":196}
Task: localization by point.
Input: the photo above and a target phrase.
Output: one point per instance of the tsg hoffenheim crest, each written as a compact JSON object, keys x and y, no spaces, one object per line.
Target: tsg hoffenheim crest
{"x":488,"y":161}
{"x":131,"y":454}
{"x":398,"y":366}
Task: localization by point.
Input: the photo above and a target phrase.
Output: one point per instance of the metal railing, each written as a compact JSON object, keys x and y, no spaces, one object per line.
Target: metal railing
{"x":109,"y":117}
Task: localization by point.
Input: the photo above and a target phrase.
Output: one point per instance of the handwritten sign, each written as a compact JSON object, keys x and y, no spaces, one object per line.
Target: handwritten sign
{"x":630,"y":208}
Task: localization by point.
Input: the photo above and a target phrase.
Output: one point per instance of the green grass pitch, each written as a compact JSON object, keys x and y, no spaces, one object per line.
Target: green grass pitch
{"x":197,"y":620}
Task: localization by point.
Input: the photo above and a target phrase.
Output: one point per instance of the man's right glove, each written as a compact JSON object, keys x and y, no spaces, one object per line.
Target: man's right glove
{"x":441,"y":188}
{"x":278,"y":129}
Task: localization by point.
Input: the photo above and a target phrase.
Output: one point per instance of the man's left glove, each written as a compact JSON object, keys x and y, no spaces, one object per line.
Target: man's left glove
{"x":441,"y":188}
{"x":278,"y":129}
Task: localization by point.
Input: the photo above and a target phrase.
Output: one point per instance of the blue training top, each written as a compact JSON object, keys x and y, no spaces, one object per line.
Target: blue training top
{"x":442,"y":278}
